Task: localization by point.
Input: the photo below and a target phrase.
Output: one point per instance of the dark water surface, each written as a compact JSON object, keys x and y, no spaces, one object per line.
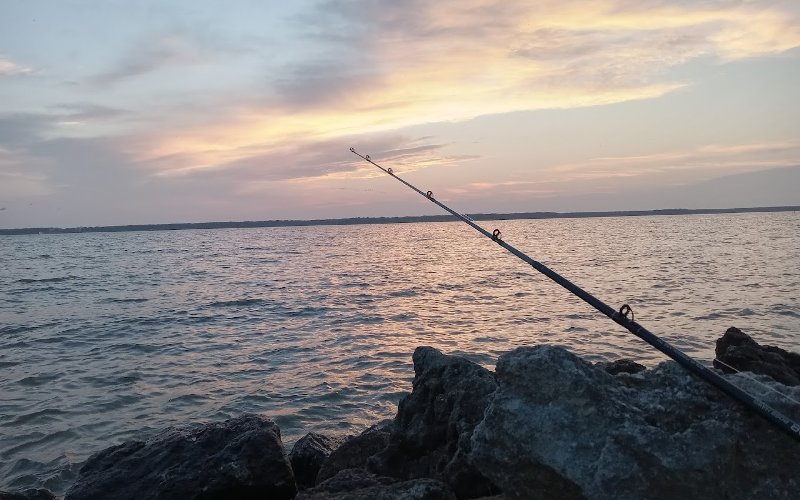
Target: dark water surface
{"x":107,"y":336}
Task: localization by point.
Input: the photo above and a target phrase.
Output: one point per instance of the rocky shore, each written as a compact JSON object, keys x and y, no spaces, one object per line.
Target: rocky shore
{"x":545,"y":424}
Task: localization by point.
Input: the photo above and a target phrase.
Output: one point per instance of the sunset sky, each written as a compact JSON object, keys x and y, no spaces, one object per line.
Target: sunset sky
{"x":123,"y":112}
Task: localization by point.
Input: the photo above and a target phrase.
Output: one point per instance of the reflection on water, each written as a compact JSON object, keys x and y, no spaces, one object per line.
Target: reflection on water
{"x":105,"y":336}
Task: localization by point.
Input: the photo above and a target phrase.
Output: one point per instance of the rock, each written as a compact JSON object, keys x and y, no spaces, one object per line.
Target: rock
{"x":623,"y":366}
{"x":239,"y":458}
{"x":308,"y":454}
{"x":358,"y":484}
{"x":345,"y":481}
{"x":736,"y":349}
{"x":354,"y":452}
{"x":30,"y":494}
{"x":558,"y":427}
{"x":434,"y":424}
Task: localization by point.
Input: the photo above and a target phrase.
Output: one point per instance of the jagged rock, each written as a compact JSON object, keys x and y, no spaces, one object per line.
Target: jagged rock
{"x":354,"y":452}
{"x":623,"y":366}
{"x":738,"y":350}
{"x":358,"y":484}
{"x":434,"y":423}
{"x":30,"y":494}
{"x":308,"y":454}
{"x":558,"y":427}
{"x":240,"y":458}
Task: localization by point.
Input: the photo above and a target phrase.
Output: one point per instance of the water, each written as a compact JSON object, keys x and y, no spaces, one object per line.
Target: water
{"x":109,"y":336}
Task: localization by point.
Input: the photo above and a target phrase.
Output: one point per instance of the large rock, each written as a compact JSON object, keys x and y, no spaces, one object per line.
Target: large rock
{"x":558,"y":427}
{"x":434,"y":424}
{"x":240,"y":458}
{"x":30,"y":494}
{"x":355,"y":451}
{"x":737,"y":350}
{"x":358,"y":484}
{"x":308,"y":454}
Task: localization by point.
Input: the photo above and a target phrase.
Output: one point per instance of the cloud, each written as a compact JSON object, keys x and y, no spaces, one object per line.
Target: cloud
{"x":10,"y":68}
{"x":161,"y":52}
{"x":677,"y":177}
{"x":366,"y":71}
{"x":36,"y":159}
{"x":81,"y":112}
{"x":703,"y":162}
{"x":311,"y":85}
{"x":388,"y":65}
{"x":19,"y":130}
{"x":314,"y":160}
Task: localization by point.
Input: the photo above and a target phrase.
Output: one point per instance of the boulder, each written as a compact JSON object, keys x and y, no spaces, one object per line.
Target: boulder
{"x":559,"y":427}
{"x":29,"y":494}
{"x":434,"y":424}
{"x":354,"y":452}
{"x":739,"y":351}
{"x":358,"y":484}
{"x":240,"y":458}
{"x":308,"y":454}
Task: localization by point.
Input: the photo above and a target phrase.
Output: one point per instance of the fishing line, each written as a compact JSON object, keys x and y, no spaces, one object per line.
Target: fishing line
{"x":623,"y":317}
{"x":758,"y":382}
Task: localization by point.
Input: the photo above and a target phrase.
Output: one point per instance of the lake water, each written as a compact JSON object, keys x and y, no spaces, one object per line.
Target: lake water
{"x":109,"y":336}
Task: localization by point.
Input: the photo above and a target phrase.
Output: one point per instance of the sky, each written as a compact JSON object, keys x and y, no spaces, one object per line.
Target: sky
{"x":136,"y":112}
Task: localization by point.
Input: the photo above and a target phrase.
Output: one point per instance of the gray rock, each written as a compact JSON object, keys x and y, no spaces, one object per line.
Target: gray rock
{"x":308,"y":454}
{"x":558,"y":427}
{"x":354,"y":452}
{"x":29,"y":494}
{"x":738,"y":350}
{"x":355,"y":484}
{"x":347,"y":480}
{"x":623,"y":366}
{"x":240,"y":458}
{"x":434,"y":424}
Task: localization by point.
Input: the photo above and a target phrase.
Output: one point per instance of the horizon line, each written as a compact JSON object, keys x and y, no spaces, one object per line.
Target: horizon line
{"x":177,"y":226}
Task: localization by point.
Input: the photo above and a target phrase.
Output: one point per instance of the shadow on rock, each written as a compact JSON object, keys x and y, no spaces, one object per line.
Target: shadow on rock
{"x":434,"y":424}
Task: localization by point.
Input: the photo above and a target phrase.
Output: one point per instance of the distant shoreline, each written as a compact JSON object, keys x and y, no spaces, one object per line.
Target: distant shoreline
{"x":388,"y":220}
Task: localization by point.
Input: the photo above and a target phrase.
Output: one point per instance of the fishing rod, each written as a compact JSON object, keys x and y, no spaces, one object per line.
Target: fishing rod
{"x":623,"y":317}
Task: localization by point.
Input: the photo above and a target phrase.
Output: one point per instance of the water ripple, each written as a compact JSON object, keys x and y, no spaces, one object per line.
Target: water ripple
{"x":104,"y":337}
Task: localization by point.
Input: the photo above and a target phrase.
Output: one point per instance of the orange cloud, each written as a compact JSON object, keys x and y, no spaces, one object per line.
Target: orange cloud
{"x":452,"y":61}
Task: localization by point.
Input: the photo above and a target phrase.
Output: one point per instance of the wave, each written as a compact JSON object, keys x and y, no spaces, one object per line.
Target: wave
{"x":23,"y":328}
{"x":58,"y":279}
{"x":122,"y":301}
{"x":239,"y":303}
{"x":37,"y":380}
{"x":48,"y":414}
